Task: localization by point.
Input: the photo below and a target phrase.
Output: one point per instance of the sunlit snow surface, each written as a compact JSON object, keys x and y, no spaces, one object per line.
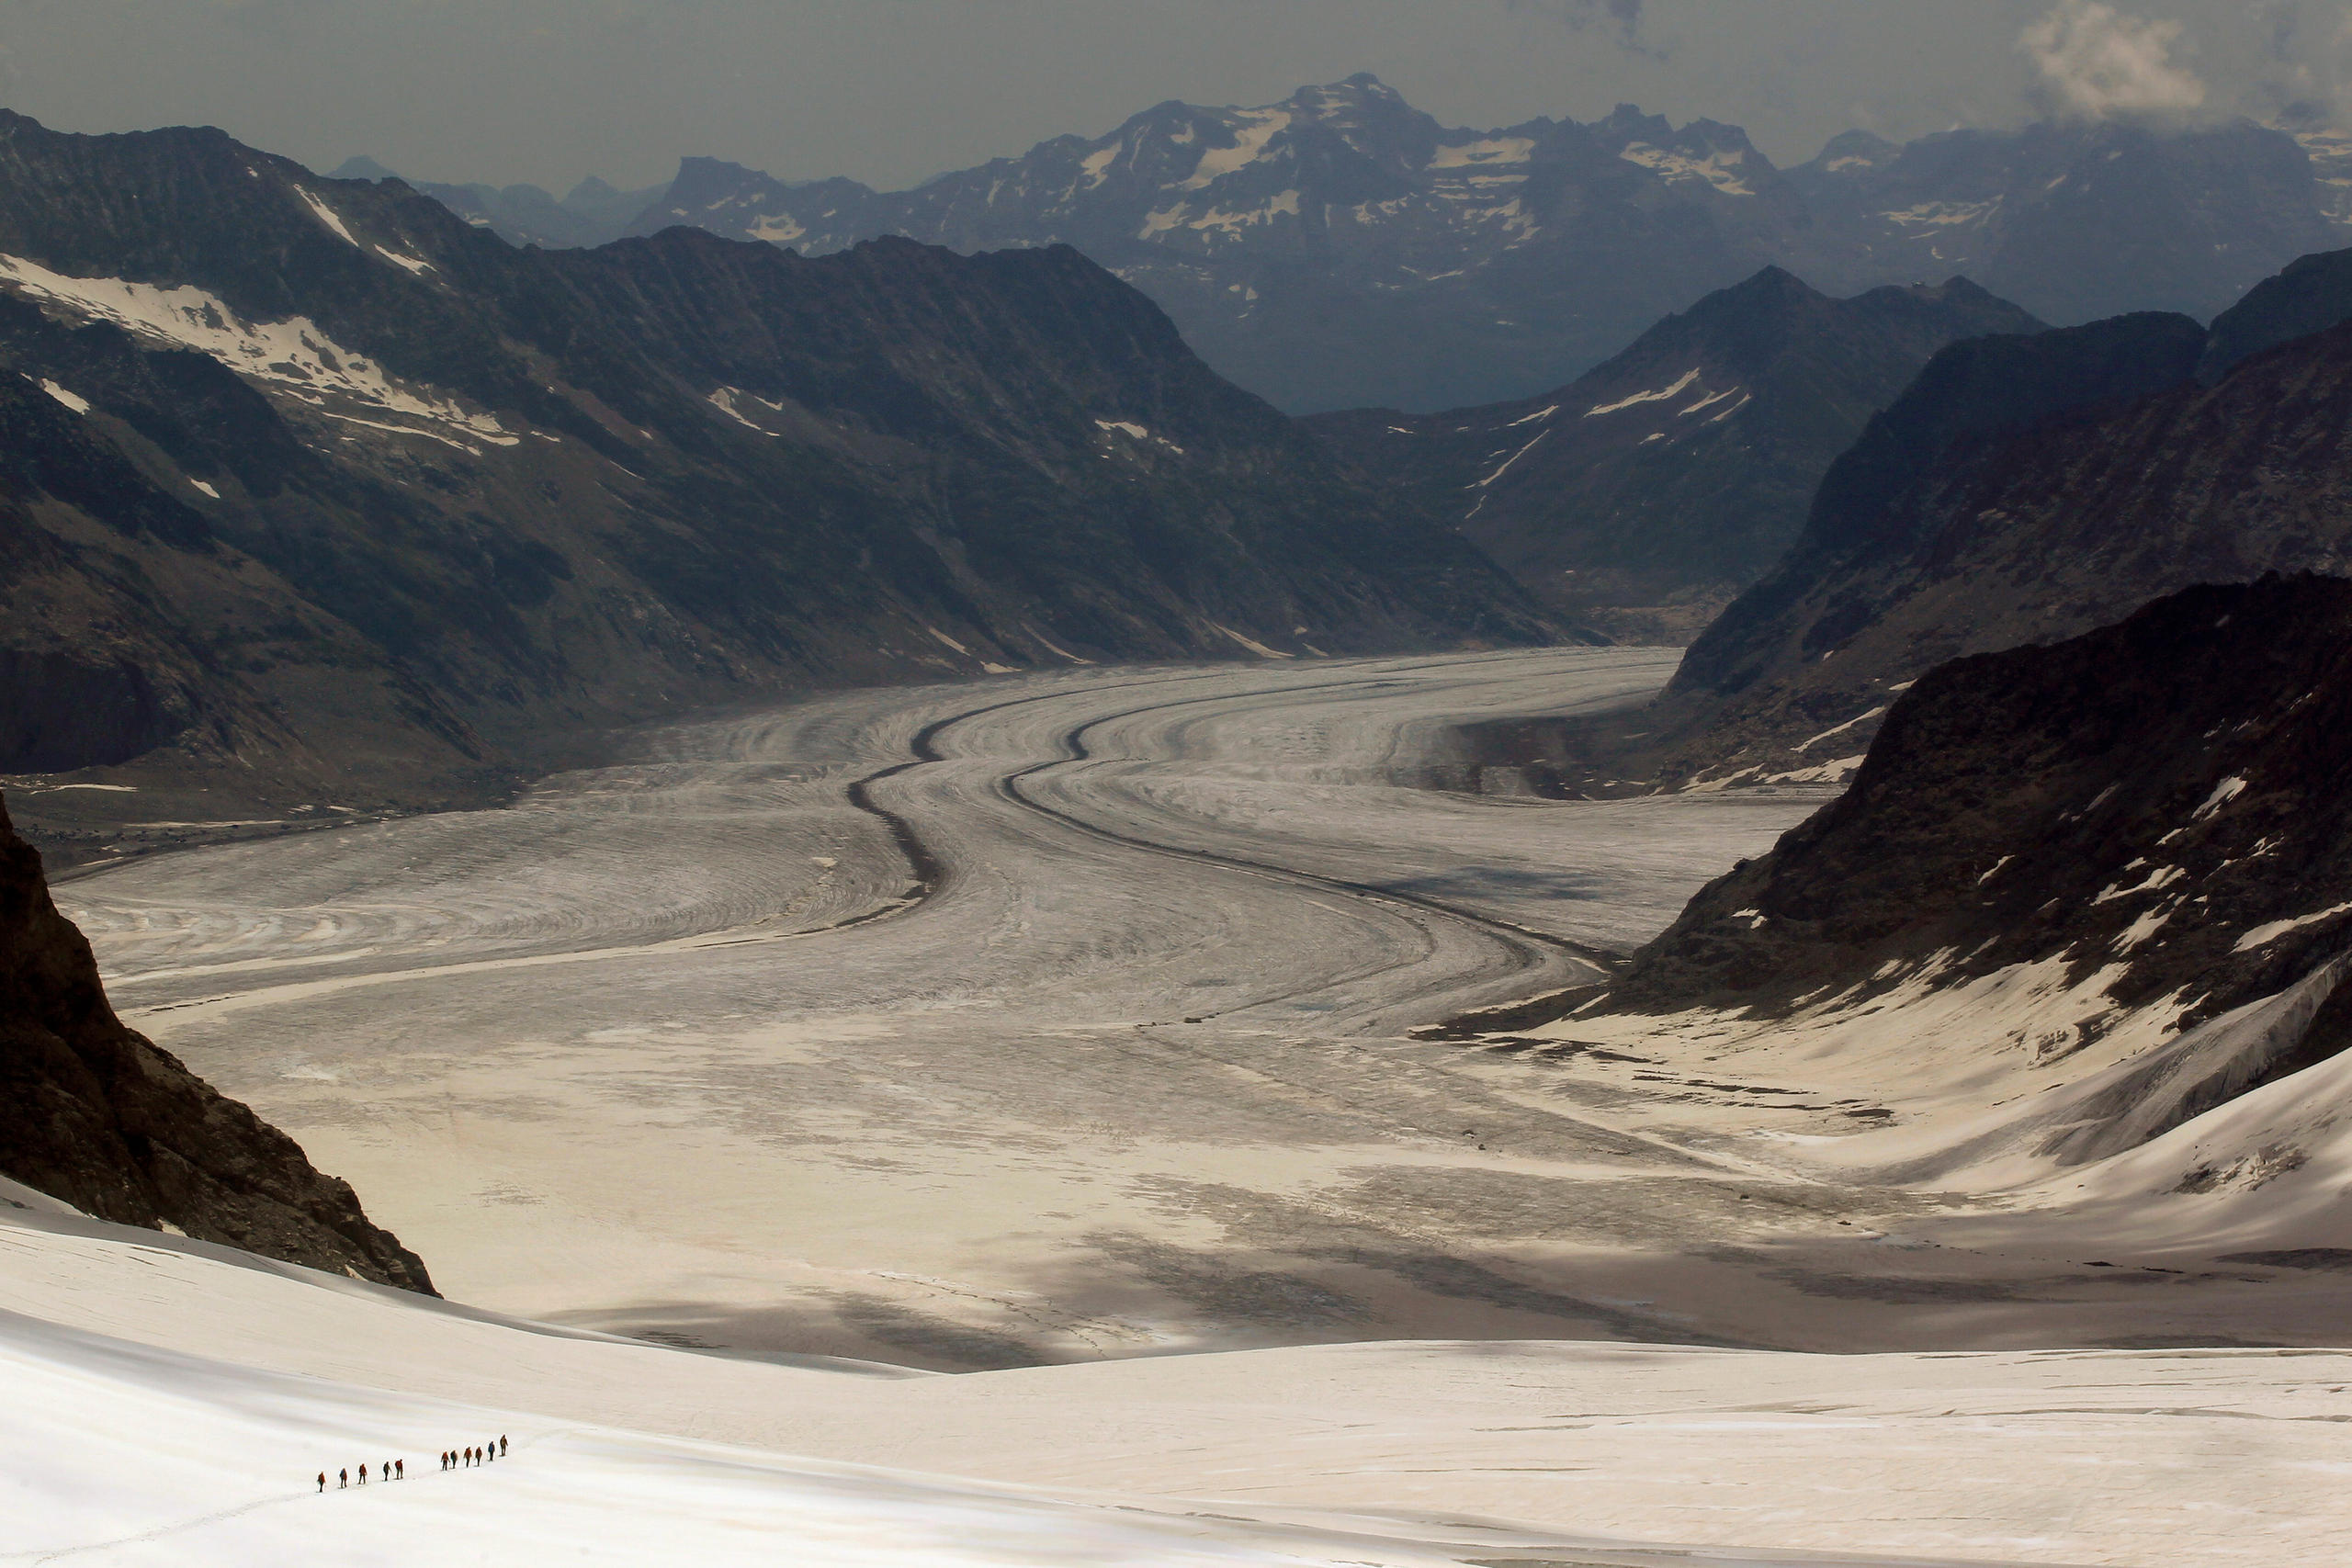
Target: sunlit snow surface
{"x":170,"y":1404}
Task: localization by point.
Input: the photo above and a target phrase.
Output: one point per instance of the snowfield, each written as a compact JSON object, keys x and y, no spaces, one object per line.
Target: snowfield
{"x":171,"y":1403}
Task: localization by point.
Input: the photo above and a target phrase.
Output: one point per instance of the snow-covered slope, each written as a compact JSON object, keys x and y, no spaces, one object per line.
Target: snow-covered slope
{"x":171,"y":1403}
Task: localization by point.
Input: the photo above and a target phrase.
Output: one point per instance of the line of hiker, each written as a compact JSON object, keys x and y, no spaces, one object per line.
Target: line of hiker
{"x":466,"y":1458}
{"x":397,"y":1469}
{"x":390,"y":1470}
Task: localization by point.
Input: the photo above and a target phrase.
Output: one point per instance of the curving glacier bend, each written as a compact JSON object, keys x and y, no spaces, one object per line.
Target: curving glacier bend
{"x":1085,"y":1038}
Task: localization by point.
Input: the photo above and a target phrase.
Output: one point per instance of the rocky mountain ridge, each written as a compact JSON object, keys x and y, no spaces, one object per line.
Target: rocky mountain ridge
{"x":2021,"y":491}
{"x":1645,"y":494}
{"x":591,"y":213}
{"x":97,"y":1116}
{"x":384,"y":506}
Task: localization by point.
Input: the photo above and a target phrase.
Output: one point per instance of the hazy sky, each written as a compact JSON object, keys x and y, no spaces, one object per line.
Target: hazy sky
{"x":892,"y":91}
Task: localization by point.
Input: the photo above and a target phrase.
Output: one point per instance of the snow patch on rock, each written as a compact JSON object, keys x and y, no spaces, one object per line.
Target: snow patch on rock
{"x":327,"y":215}
{"x":1639,"y":397}
{"x":1254,"y":129}
{"x":294,"y":356}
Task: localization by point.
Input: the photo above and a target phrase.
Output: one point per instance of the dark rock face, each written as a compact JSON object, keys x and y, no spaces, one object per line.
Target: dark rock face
{"x":92,"y":1114}
{"x":2021,"y":491}
{"x":1341,"y":249}
{"x":1648,"y":492}
{"x":381,"y":503}
{"x":2309,"y":295}
{"x":2162,"y":800}
{"x":59,"y":712}
{"x":1869,"y":508}
{"x":132,"y":633}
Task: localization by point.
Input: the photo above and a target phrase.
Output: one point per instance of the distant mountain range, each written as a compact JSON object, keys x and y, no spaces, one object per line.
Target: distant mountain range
{"x":1341,"y":249}
{"x":1645,"y":494}
{"x":591,"y":213}
{"x":315,"y":492}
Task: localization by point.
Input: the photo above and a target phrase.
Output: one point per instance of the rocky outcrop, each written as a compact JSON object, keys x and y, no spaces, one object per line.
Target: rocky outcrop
{"x":2161,"y":800}
{"x":2141,"y":833}
{"x":1647,"y":493}
{"x":95,"y":1115}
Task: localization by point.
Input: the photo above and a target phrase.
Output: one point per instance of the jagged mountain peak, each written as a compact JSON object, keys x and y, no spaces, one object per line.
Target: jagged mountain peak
{"x":2023,"y":489}
{"x":1769,"y":285}
{"x":361,"y":167}
{"x":1237,"y":220}
{"x":1853,"y":152}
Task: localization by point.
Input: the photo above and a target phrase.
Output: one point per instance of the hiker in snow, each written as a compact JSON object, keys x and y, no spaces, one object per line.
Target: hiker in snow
{"x":502,"y":1447}
{"x":322,"y":1481}
{"x":363,"y":1476}
{"x":400,"y":1465}
{"x":342,"y":1479}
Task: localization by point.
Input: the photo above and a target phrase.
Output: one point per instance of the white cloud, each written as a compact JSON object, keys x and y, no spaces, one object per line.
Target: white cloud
{"x":2097,"y":63}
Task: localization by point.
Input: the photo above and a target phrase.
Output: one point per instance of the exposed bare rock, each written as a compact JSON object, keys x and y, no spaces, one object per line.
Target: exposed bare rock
{"x":92,"y":1114}
{"x":2157,"y":806}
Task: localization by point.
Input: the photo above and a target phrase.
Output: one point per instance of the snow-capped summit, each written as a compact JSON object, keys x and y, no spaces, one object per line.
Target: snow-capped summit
{"x":1340,"y":246}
